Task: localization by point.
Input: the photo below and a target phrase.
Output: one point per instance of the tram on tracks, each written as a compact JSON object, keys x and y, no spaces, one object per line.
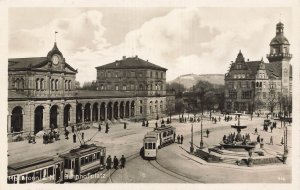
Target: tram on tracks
{"x":37,"y":170}
{"x":84,"y":160}
{"x":71,"y":166}
{"x":160,"y":137}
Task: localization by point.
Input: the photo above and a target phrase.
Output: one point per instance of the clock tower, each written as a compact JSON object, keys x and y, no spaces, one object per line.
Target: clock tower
{"x":279,"y":55}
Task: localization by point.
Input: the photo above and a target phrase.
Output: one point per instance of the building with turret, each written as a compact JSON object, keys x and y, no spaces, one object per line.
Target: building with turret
{"x":258,"y":86}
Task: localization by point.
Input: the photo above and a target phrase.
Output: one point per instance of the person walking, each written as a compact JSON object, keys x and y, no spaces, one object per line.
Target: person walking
{"x":181,"y":139}
{"x":207,"y":132}
{"x":74,"y":138}
{"x":67,"y":134}
{"x":271,"y":140}
{"x":124,"y":125}
{"x":116,"y":162}
{"x":255,"y":131}
{"x":82,"y":136}
{"x":178,"y":139}
{"x":123,"y":162}
{"x":108,"y":163}
{"x":258,"y":139}
{"x":99,"y":127}
{"x":106,"y":128}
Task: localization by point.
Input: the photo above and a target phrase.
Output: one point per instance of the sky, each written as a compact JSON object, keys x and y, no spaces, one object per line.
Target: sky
{"x":183,"y":40}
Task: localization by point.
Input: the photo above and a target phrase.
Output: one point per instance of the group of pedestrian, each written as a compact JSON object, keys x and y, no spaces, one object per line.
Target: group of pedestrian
{"x":115,"y":162}
{"x":31,"y":139}
{"x":145,"y":123}
{"x":179,"y":139}
{"x":50,"y":137}
{"x":227,"y":118}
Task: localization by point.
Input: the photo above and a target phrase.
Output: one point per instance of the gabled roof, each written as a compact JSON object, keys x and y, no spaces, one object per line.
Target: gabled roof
{"x":131,"y":63}
{"x":30,"y":62}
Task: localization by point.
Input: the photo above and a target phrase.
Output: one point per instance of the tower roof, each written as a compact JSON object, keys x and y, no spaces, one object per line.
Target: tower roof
{"x":240,"y":57}
{"x":279,"y":39}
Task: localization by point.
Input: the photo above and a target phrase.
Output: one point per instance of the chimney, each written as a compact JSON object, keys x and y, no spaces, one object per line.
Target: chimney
{"x":124,"y":57}
{"x":247,"y":59}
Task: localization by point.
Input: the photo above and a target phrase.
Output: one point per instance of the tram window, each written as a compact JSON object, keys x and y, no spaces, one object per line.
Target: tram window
{"x":72,"y":164}
{"x":30,"y":177}
{"x":102,"y":160}
{"x":150,"y":145}
{"x":12,"y":179}
{"x":154,"y":145}
{"x":37,"y":175}
{"x":94,"y":156}
{"x":86,"y":160}
{"x":82,"y":161}
{"x":44,"y":173}
{"x":98,"y":155}
{"x":22,"y":179}
{"x":68,"y":164}
{"x":164,"y":134}
{"x":146,"y":145}
{"x":90,"y":158}
{"x":50,"y":171}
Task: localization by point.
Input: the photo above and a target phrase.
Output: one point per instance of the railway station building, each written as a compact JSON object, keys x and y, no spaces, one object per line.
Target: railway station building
{"x":258,"y":86}
{"x":42,"y":93}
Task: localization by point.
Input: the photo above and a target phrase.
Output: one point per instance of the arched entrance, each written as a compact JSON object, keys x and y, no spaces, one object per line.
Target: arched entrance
{"x":109,"y":111}
{"x":132,"y":108}
{"x":67,"y":114}
{"x":16,"y":119}
{"x":38,"y":119}
{"x":87,"y":112}
{"x":127,"y":107}
{"x":95,"y":112}
{"x":53,"y":116}
{"x":122,"y":108}
{"x":79,"y":113}
{"x":102,"y":111}
{"x":116,"y":109}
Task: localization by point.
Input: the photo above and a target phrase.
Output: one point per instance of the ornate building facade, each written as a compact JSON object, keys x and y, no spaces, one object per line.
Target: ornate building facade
{"x":256,"y":86}
{"x":42,"y":93}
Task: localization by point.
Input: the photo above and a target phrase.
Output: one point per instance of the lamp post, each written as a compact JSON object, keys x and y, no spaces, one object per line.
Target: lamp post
{"x":192,"y":142}
{"x":201,"y":141}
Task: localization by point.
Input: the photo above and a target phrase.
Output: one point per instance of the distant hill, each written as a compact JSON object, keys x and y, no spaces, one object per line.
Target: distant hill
{"x":189,"y":80}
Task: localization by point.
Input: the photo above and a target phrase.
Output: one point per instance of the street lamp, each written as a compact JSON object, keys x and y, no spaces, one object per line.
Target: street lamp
{"x":192,"y":143}
{"x":201,"y":141}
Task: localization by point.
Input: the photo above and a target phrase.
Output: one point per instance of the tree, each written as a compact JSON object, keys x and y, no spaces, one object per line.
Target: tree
{"x":272,"y":100}
{"x":178,"y":88}
{"x":170,"y":108}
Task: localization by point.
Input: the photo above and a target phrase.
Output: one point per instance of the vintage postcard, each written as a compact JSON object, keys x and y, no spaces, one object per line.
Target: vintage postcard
{"x":127,"y":93}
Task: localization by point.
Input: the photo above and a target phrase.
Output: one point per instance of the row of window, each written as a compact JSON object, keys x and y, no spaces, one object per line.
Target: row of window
{"x":40,"y":84}
{"x":150,"y":145}
{"x":109,"y":74}
{"x":33,"y":176}
{"x":245,"y":94}
{"x":130,"y":87}
{"x":19,"y":83}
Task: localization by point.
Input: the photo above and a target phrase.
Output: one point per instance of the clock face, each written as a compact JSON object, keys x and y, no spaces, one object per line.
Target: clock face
{"x":55,"y":59}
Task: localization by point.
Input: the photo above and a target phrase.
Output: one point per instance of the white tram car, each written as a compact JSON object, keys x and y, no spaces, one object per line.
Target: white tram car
{"x":156,"y":139}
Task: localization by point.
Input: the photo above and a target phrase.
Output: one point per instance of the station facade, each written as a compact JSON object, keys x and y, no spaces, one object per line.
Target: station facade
{"x":42,"y":93}
{"x":257,"y":86}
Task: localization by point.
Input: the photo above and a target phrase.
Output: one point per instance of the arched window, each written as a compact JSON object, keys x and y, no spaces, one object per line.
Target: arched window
{"x":156,"y":86}
{"x":37,"y":84}
{"x":141,"y":87}
{"x":42,"y":84}
{"x":66,"y":85}
{"x":69,"y":85}
{"x":52,"y":85}
{"x":102,"y":87}
{"x":56,"y":84}
{"x":21,"y":83}
{"x":260,"y":84}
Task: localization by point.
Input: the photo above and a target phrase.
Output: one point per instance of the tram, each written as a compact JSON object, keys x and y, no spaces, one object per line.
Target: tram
{"x":84,"y":160}
{"x":37,"y":170}
{"x":156,"y":139}
{"x":70,"y":166}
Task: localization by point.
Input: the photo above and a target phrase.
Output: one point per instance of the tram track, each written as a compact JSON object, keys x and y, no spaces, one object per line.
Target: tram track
{"x":169,"y":172}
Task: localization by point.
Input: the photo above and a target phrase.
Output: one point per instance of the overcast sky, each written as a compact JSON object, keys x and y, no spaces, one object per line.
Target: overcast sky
{"x":183,"y":40}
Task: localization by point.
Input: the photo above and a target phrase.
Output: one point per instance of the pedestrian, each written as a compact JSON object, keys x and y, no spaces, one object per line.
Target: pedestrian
{"x":271,"y":140}
{"x":74,"y":138}
{"x":258,"y":139}
{"x":124,"y":125}
{"x":82,"y":136}
{"x":181,"y":139}
{"x":44,"y":138}
{"x":156,"y":125}
{"x":116,"y":162}
{"x":33,"y":139}
{"x":207,"y":132}
{"x":67,"y":134}
{"x":174,"y":136}
{"x":29,"y":138}
{"x":108,"y":163}
{"x":219,"y":118}
{"x":123,"y":161}
{"x":99,"y":127}
{"x":147,"y":123}
{"x":106,"y":128}
{"x":178,"y":139}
